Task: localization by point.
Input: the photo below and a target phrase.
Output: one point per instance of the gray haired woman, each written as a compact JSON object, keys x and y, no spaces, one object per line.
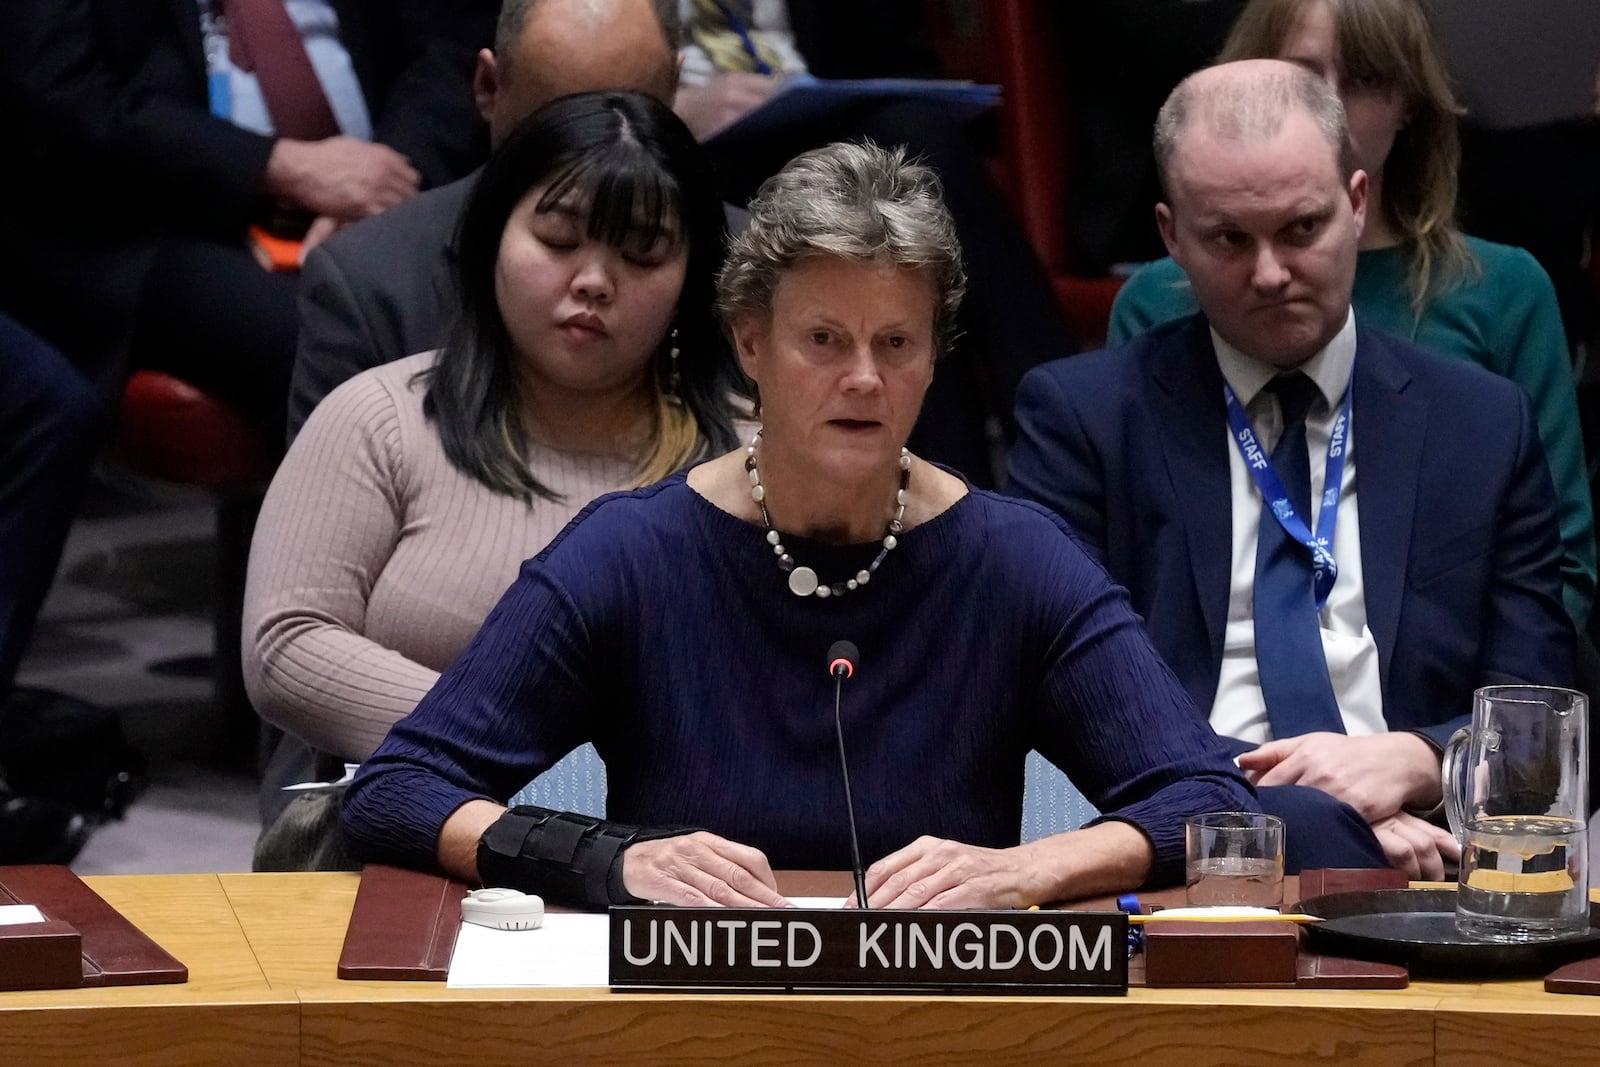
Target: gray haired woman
{"x":685,"y":628}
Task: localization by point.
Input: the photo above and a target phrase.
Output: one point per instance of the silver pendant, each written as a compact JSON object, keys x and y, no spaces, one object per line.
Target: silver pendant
{"x":802,"y":581}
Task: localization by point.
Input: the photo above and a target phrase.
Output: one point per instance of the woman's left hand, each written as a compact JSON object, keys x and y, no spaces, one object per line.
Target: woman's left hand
{"x":933,"y":872}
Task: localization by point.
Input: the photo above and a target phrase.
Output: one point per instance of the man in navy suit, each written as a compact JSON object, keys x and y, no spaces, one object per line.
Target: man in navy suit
{"x":1423,"y":555}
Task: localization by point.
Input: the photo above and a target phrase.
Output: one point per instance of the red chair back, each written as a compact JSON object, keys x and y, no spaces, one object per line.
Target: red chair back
{"x":170,"y":430}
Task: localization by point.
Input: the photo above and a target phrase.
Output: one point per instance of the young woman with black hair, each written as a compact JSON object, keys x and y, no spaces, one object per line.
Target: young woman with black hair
{"x":586,"y":359}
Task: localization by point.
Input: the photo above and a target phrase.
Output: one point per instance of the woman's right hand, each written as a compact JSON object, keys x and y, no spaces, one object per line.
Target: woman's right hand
{"x":700,"y":870}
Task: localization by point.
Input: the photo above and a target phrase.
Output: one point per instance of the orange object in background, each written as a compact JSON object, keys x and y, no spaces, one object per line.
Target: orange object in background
{"x":274,"y":253}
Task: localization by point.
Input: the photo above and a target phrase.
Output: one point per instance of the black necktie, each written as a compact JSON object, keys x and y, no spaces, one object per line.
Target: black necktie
{"x":1294,"y":672}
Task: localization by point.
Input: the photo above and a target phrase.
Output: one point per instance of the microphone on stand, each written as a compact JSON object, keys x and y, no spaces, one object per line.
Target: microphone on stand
{"x":842,"y":658}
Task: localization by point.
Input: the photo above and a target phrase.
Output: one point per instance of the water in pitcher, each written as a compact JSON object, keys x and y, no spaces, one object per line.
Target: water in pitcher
{"x":1522,"y":878}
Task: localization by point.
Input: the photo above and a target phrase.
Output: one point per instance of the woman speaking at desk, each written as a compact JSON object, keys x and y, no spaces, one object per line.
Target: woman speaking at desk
{"x":684,"y":628}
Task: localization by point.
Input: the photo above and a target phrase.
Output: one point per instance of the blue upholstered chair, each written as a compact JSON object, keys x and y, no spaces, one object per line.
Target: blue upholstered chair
{"x":577,"y":782}
{"x":1051,"y":804}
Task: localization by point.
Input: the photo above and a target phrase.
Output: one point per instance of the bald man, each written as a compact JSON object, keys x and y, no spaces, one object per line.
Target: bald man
{"x":1204,"y":464}
{"x":381,"y":289}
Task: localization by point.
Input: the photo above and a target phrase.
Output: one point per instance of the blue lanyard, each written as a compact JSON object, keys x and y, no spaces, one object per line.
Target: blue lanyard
{"x":736,"y":24}
{"x":1324,"y":569}
{"x":214,"y":42}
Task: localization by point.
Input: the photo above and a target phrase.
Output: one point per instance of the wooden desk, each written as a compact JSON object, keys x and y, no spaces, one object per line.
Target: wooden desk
{"x":295,"y":923}
{"x":1501,"y":1024}
{"x":262,"y":951}
{"x":225,"y":1014}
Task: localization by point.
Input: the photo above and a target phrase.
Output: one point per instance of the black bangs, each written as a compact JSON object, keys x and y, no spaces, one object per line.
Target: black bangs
{"x":631,"y":168}
{"x":630,"y":199}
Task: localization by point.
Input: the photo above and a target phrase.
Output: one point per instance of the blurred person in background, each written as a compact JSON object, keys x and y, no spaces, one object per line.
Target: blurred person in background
{"x":147,"y":137}
{"x":50,"y":423}
{"x":150,"y":143}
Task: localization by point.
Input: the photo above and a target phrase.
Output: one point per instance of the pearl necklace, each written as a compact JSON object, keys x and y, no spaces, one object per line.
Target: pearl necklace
{"x":803,"y":581}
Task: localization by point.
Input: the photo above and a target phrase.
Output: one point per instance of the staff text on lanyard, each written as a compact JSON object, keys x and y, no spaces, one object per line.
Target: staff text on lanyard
{"x":1320,"y":545}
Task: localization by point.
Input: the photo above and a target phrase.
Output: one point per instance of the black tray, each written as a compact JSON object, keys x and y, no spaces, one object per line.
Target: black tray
{"x":1417,"y":928}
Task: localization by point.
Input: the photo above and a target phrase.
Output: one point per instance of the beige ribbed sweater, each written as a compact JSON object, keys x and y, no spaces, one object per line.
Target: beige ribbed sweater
{"x":375,"y":561}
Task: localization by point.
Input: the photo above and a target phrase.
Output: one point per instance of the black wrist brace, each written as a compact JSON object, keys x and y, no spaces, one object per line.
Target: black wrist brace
{"x":563,"y":856}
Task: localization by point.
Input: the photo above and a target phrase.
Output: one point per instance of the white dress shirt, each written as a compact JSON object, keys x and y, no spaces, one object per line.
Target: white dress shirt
{"x":769,"y":18}
{"x":1352,"y":654}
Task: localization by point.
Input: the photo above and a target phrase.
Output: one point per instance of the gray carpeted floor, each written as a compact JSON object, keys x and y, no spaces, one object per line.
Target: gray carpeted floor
{"x":134,"y":590}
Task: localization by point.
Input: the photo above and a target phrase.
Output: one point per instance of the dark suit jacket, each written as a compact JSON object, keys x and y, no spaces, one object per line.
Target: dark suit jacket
{"x":122,"y":83}
{"x":1460,"y":550}
{"x":375,"y":292}
{"x":111,"y":144}
{"x":849,"y":39}
{"x":1122,"y":58}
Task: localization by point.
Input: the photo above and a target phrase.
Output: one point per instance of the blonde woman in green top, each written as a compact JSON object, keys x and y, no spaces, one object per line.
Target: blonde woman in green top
{"x":1417,"y":275}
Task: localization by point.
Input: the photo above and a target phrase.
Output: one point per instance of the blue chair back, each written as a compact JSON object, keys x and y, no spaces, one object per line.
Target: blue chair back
{"x":577,"y":782}
{"x":1051,"y":804}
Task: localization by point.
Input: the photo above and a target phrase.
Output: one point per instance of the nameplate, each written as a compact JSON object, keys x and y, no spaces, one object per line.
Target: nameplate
{"x":1044,"y":952}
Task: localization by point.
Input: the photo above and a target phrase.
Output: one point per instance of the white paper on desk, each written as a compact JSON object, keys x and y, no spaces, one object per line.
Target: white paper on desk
{"x":20,"y":914}
{"x":568,"y":950}
{"x":819,"y":903}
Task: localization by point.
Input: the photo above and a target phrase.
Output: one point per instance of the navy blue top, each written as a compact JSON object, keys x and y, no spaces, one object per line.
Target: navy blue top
{"x":660,"y":628}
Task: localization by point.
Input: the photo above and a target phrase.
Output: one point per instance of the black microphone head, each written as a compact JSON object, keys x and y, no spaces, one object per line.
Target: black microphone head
{"x":842,"y":658}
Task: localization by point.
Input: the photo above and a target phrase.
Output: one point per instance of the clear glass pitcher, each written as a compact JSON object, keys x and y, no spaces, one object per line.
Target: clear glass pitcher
{"x":1515,"y":788}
